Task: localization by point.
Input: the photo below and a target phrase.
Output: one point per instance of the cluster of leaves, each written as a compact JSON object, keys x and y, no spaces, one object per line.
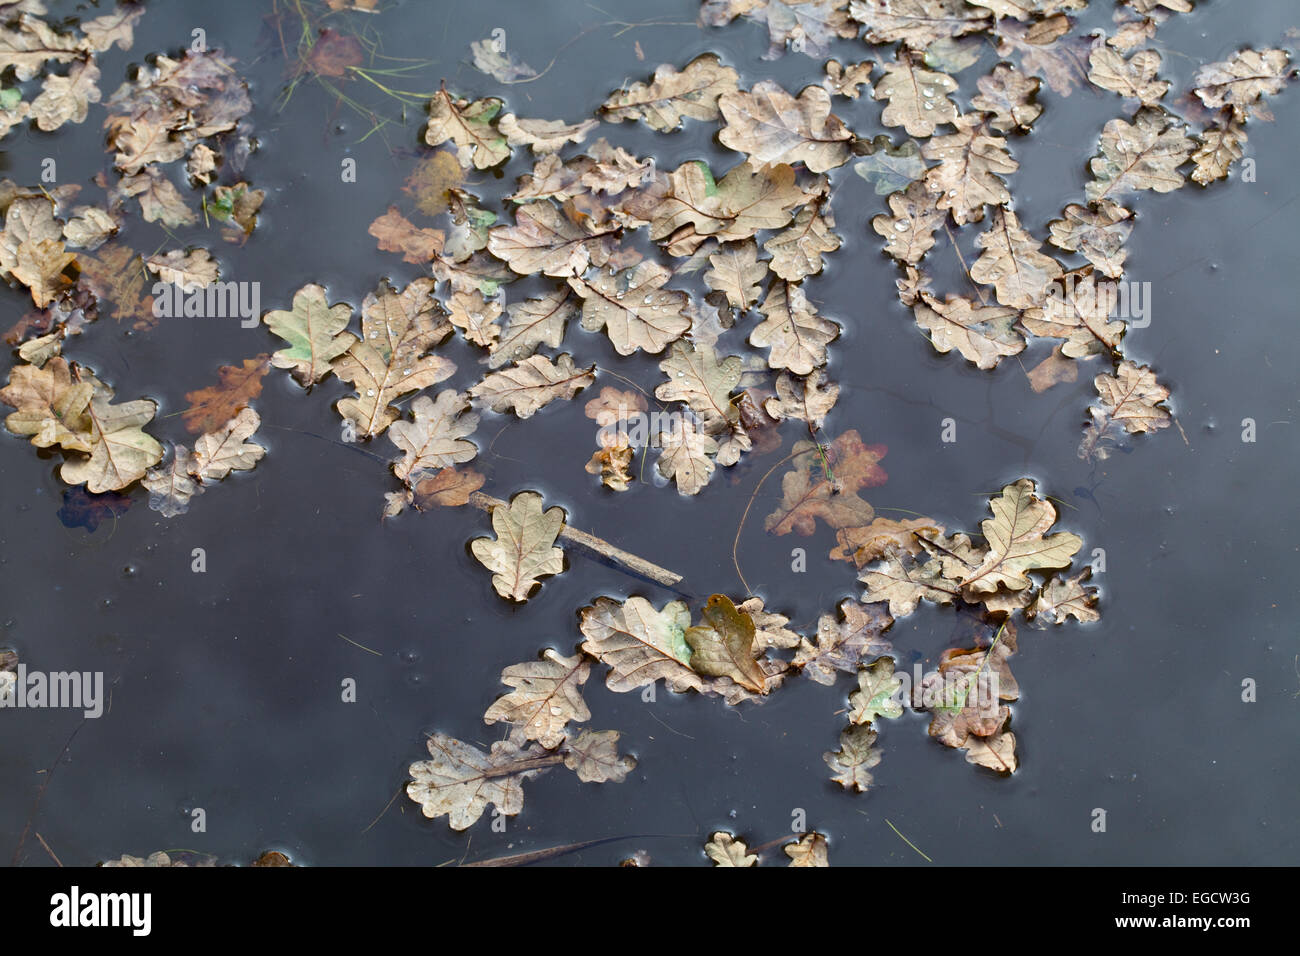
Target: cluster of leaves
{"x":724,"y":849}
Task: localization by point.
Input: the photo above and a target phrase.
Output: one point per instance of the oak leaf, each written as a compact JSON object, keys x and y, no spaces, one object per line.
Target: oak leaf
{"x":918,"y":98}
{"x":723,"y":645}
{"x":1144,"y":154}
{"x":315,"y":332}
{"x":593,"y":755}
{"x":793,"y":333}
{"x":1018,"y":541}
{"x":851,"y":764}
{"x":843,"y":643}
{"x":770,"y":126}
{"x":531,"y":323}
{"x":640,"y":645}
{"x":436,"y":438}
{"x":1012,"y":262}
{"x":981,"y":334}
{"x":460,"y":781}
{"x":470,"y":128}
{"x":218,"y":453}
{"x":533,"y":383}
{"x":633,"y":308}
{"x":671,"y":96}
{"x":685,"y":457}
{"x":236,"y":387}
{"x":877,"y":688}
{"x":726,"y":851}
{"x":1242,"y":81}
{"x":524,"y":549}
{"x":547,"y":695}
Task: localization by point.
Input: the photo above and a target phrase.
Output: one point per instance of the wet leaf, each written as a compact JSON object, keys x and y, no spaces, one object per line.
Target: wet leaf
{"x":1097,"y":231}
{"x":918,"y":98}
{"x":797,"y":251}
{"x":1241,"y":82}
{"x":39,"y":265}
{"x":845,"y":80}
{"x":970,"y":164}
{"x":1008,"y":94}
{"x":449,"y":488}
{"x":543,"y":239}
{"x":1018,"y":541}
{"x":794,"y":335}
{"x":725,"y":850}
{"x":160,"y":201}
{"x":533,"y":383}
{"x":736,"y":273}
{"x":436,"y":437}
{"x":904,"y":583}
{"x":524,"y":549}
{"x":1053,"y":370}
{"x":877,"y":688}
{"x":547,"y":695}
{"x":29,"y":43}
{"x":218,"y":453}
{"x":1131,"y":402}
{"x":1133,"y":78}
{"x":770,"y":126}
{"x":804,"y":398}
{"x":910,"y":229}
{"x":531,"y":323}
{"x":543,"y":136}
{"x":237,"y":385}
{"x":851,"y":764}
{"x":723,"y":645}
{"x":120,"y":451}
{"x":469,"y":127}
{"x":889,"y":168}
{"x":981,"y":334}
{"x":611,"y":462}
{"x":432,"y":181}
{"x":593,"y":755}
{"x":1218,"y":150}
{"x":52,"y":406}
{"x":172,"y":486}
{"x":83,"y":510}
{"x":394,"y":356}
{"x":333,"y":53}
{"x":1144,"y":154}
{"x":315,"y":332}
{"x":739,"y":205}
{"x":396,"y":233}
{"x":844,"y":643}
{"x":192,"y":269}
{"x":1044,"y":48}
{"x":460,"y":781}
{"x":671,"y":96}
{"x":475,"y":317}
{"x":808,"y":850}
{"x":639,"y":644}
{"x":874,"y":541}
{"x":496,"y":61}
{"x":698,"y":378}
{"x":1061,"y":599}
{"x":66,"y":99}
{"x":1012,"y":263}
{"x":633,"y":308}
{"x":917,"y":23}
{"x":685,"y":457}
{"x":1078,"y":311}
{"x":811,"y":490}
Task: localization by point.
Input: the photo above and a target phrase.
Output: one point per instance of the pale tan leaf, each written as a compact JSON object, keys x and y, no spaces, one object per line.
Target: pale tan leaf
{"x":436,"y":436}
{"x":685,"y":457}
{"x":593,"y":755}
{"x":524,"y":549}
{"x":1007,"y":94}
{"x":971,"y":162}
{"x":543,"y":136}
{"x":808,"y":850}
{"x":797,"y":251}
{"x":981,"y":334}
{"x":771,"y":126}
{"x":1018,"y":541}
{"x":806,"y":398}
{"x":736,"y":273}
{"x":195,"y":269}
{"x":66,"y":99}
{"x":851,"y":764}
{"x":470,"y":128}
{"x":795,"y":336}
{"x":1144,"y":154}
{"x":910,"y":229}
{"x":547,"y":695}
{"x":460,"y":781}
{"x":544,"y":239}
{"x":527,"y":386}
{"x":315,"y":332}
{"x":1242,"y":81}
{"x":1098,"y":231}
{"x":531,"y":323}
{"x":844,"y":643}
{"x":671,"y":96}
{"x":640,"y":644}
{"x":917,"y":97}
{"x":633,"y":308}
{"x":1131,"y":78}
{"x":1012,"y":263}
{"x":725,"y":850}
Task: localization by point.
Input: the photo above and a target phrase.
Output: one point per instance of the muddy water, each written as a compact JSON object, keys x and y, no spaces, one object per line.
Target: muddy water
{"x":225,"y":686}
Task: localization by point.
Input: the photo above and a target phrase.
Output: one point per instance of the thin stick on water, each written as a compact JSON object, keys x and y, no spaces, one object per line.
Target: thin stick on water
{"x":599,"y":545}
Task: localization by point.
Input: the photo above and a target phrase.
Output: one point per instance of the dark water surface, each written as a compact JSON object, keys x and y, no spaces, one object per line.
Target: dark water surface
{"x":225,"y":685}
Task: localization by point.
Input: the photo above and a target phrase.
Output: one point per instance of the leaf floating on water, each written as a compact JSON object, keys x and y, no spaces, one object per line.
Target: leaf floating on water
{"x":842,"y":645}
{"x":1131,"y":402}
{"x":851,"y":764}
{"x":543,"y":136}
{"x":890,"y":168}
{"x":1012,"y":263}
{"x":1242,"y":81}
{"x":1044,"y":49}
{"x":640,"y":645}
{"x":533,"y":383}
{"x":1007,"y":94}
{"x":436,"y":437}
{"x":633,"y":308}
{"x":1132,"y":78}
{"x":806,"y":398}
{"x":725,"y":850}
{"x":971,"y":162}
{"x":723,"y":646}
{"x":770,"y":126}
{"x":876,"y":540}
{"x":1018,"y":541}
{"x":1062,"y":599}
{"x":877,"y":688}
{"x":917,"y":23}
{"x":460,"y":781}
{"x":547,"y":695}
{"x":824,"y":483}
{"x":1097,"y":231}
{"x":218,"y":453}
{"x":793,"y":333}
{"x":315,"y":332}
{"x":808,"y":850}
{"x":917,"y":97}
{"x":52,"y":406}
{"x":1144,"y":154}
{"x":736,"y":273}
{"x":686,"y":457}
{"x":469,"y":127}
{"x":671,"y":96}
{"x":524,"y":548}
{"x":532,"y":323}
{"x":171,"y":487}
{"x":593,"y":755}
{"x":845,"y":80}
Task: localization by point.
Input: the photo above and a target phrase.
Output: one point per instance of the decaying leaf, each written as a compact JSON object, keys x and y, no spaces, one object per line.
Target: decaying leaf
{"x":531,"y":323}
{"x":671,"y":96}
{"x":545,"y":239}
{"x":698,"y":378}
{"x":1098,"y":231}
{"x":918,"y":98}
{"x":396,"y":233}
{"x":910,"y":230}
{"x":475,"y":317}
{"x":797,"y":251}
{"x":771,"y":126}
{"x":527,"y":386}
{"x":824,"y":484}
{"x":547,"y":695}
{"x":190,"y":269}
{"x":1018,"y":541}
{"x":845,"y":80}
{"x":1078,"y":310}
{"x":449,"y":488}
{"x":494,"y":59}
{"x":543,"y":136}
{"x":66,"y":99}
{"x":1008,"y":94}
{"x":633,"y":308}
{"x":593,"y":755}
{"x":736,"y":273}
{"x":237,"y":386}
{"x":1131,"y":78}
{"x":524,"y":549}
{"x":807,"y":398}
{"x":1012,"y":262}
{"x":735,"y":207}
{"x":394,"y":356}
{"x":843,"y":644}
{"x":1131,"y":402}
{"x":639,"y":644}
{"x":793,"y":333}
{"x":890,"y":168}
{"x":315,"y":332}
{"x":218,"y":453}
{"x":904,"y":583}
{"x":436,"y":437}
{"x":1218,"y":150}
{"x":971,"y":162}
{"x":120,"y":451}
{"x":52,"y":406}
{"x":876,"y":540}
{"x":1242,"y":81}
{"x":851,"y":764}
{"x":723,"y":645}
{"x":1044,"y":48}
{"x":1061,"y":599}
{"x":725,"y":850}
{"x":470,"y":128}
{"x":1144,"y":154}
{"x":172,"y":486}
{"x":875,"y":696}
{"x":460,"y":781}
{"x":917,"y":23}
{"x":685,"y":457}
{"x":612,"y":462}
{"x":981,"y":334}
{"x":808,"y":850}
